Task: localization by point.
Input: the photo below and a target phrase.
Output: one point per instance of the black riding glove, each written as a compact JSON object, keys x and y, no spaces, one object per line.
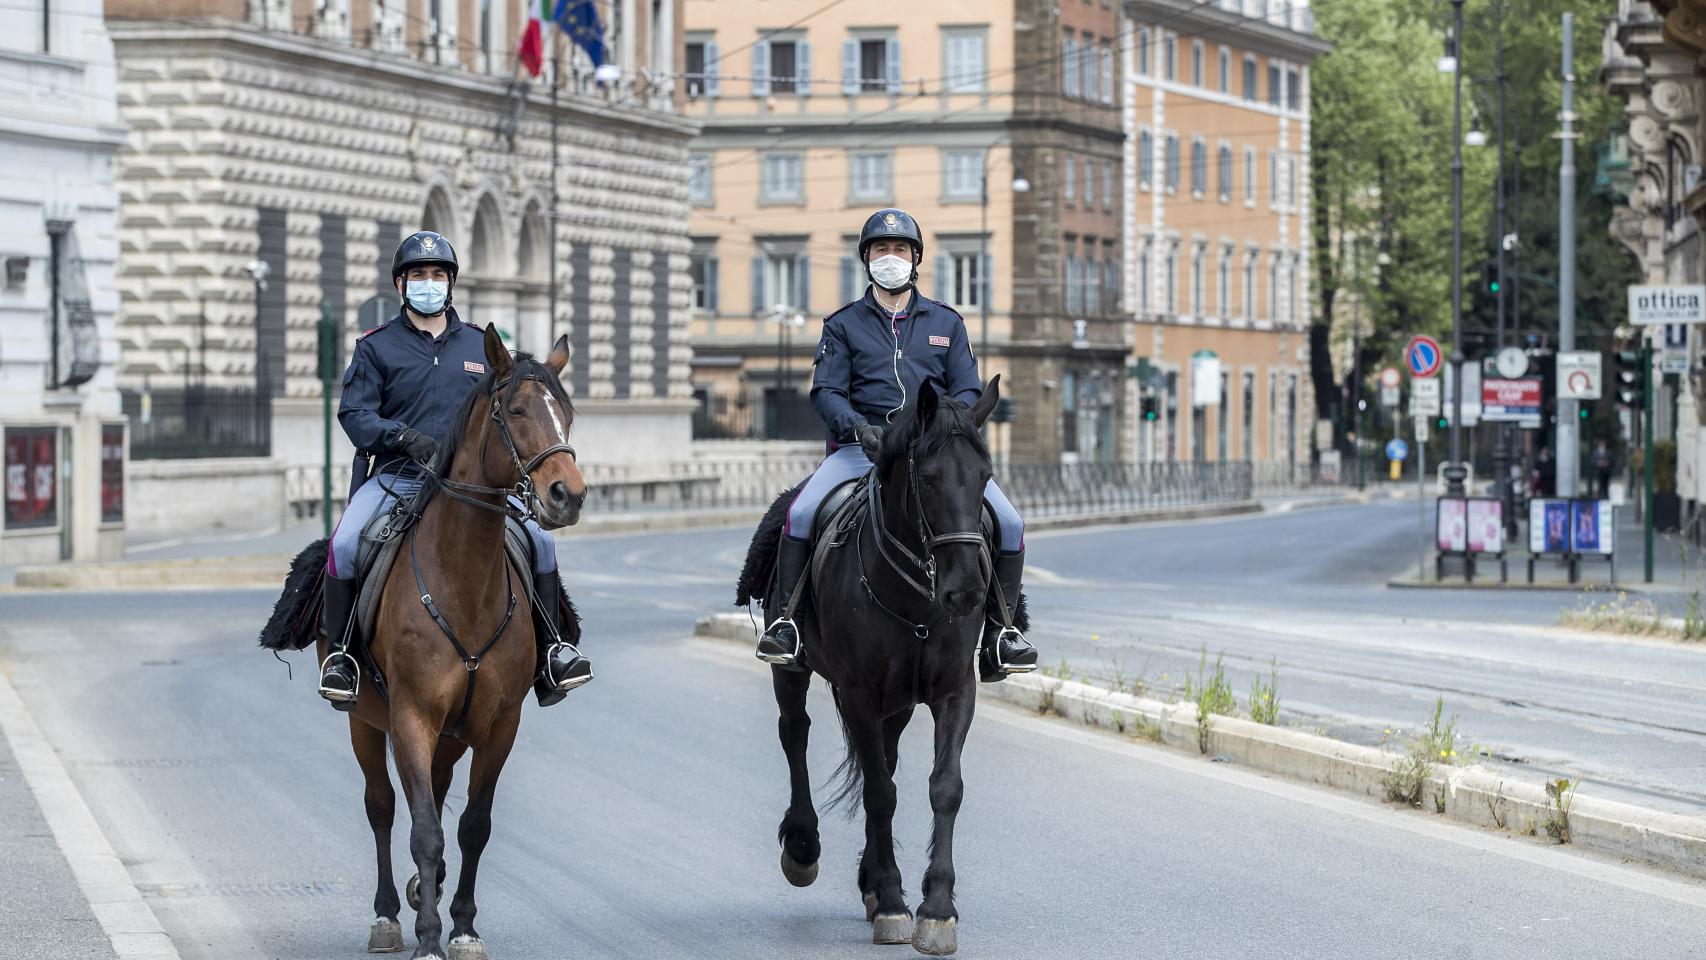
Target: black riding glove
{"x":870,"y":436}
{"x":420,"y":448}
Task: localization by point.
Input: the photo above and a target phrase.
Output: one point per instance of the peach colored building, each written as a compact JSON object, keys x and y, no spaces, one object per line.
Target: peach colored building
{"x":1217,"y":229}
{"x":812,"y":118}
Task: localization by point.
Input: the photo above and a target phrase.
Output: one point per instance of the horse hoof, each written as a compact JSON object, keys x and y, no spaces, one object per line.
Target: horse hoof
{"x":891,"y":928}
{"x":412,"y":893}
{"x":935,"y":938}
{"x":467,"y":948}
{"x":870,"y":907}
{"x":386,"y":936}
{"x":799,"y":874}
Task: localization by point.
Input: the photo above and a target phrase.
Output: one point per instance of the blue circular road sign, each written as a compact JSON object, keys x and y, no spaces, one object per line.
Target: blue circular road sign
{"x":1397,"y":449}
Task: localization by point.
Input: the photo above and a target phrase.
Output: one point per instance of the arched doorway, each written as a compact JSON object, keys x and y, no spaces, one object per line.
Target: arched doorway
{"x":534,"y":270}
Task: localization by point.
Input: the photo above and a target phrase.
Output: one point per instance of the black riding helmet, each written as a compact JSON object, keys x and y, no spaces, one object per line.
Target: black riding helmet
{"x":424,"y":248}
{"x":891,"y":224}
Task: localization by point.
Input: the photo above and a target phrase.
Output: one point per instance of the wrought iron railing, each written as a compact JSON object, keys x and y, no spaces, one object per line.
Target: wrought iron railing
{"x":195,"y":422}
{"x":1054,"y":489}
{"x":1059,"y":489}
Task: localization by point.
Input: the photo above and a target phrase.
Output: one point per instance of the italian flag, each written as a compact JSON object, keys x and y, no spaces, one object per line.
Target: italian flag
{"x":531,"y":51}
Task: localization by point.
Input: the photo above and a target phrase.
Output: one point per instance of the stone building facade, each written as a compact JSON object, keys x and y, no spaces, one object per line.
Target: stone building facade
{"x":301,"y":143}
{"x":62,"y":432}
{"x":1651,"y":56}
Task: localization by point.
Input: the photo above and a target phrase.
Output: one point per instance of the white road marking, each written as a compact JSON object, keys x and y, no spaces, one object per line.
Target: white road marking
{"x":124,"y":915}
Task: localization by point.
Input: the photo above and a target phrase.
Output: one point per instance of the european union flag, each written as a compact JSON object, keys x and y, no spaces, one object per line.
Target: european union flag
{"x":579,"y":22}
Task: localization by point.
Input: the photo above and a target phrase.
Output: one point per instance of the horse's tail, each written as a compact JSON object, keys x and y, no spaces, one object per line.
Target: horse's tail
{"x":851,"y":773}
{"x":295,"y":619}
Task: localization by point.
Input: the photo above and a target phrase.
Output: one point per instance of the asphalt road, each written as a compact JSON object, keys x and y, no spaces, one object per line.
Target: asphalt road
{"x":1304,"y":593}
{"x":638,"y":819}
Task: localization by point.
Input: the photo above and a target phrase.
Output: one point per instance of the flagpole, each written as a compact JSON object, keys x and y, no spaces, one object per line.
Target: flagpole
{"x":556,"y":78}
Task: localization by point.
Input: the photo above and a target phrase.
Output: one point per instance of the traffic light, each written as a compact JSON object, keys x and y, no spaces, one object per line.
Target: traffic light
{"x":1151,"y":409}
{"x":1442,"y":423}
{"x":1629,"y":379}
{"x":1585,"y":411}
{"x":1490,"y":276}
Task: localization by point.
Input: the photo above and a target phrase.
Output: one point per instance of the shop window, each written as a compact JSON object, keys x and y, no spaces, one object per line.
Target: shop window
{"x":32,"y":477}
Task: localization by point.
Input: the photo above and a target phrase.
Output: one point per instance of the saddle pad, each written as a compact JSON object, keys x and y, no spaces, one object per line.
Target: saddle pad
{"x":517,"y":545}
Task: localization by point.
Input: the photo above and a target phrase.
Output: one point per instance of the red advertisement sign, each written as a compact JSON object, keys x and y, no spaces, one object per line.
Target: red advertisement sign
{"x":112,"y":473}
{"x":32,"y":477}
{"x":1510,"y":399}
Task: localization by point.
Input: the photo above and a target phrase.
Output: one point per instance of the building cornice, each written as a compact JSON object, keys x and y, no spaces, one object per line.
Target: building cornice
{"x":1685,"y":24}
{"x":181,"y":36}
{"x":1235,"y":29}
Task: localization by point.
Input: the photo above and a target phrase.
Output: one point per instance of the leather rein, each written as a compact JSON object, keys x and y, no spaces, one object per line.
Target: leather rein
{"x":470,"y":493}
{"x":888,"y":545}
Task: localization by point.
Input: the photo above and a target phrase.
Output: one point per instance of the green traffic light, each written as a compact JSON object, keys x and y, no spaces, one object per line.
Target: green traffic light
{"x":1494,"y":286}
{"x":1442,"y":423}
{"x":1585,"y":412}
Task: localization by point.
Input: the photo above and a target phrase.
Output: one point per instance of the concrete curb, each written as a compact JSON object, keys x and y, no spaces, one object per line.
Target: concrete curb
{"x":1474,"y":794}
{"x":125,"y":917}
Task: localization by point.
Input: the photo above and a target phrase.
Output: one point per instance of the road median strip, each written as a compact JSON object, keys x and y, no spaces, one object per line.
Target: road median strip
{"x":1471,"y":794}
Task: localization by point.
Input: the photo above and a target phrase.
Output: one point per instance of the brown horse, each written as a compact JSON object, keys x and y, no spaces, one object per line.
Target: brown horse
{"x":510,"y":438}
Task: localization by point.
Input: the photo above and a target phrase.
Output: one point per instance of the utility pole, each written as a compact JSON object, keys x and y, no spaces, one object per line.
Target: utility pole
{"x":1454,"y":471}
{"x":1502,"y":451}
{"x":556,"y":80}
{"x":328,"y":340}
{"x":1566,"y":435}
{"x":1647,"y":459}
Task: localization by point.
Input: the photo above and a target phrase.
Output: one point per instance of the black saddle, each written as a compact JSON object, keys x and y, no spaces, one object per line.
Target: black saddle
{"x":845,"y":509}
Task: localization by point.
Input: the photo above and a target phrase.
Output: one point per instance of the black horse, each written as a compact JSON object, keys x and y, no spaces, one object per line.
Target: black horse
{"x":897,"y":609}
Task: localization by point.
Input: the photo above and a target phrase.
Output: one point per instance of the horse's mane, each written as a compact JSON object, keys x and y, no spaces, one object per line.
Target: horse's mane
{"x":527,"y":367}
{"x":953,"y":419}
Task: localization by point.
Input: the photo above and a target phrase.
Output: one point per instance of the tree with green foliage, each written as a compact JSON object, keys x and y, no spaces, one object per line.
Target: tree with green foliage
{"x":1381,"y":143}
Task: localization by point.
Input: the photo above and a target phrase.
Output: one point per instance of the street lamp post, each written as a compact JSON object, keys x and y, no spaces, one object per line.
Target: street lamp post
{"x":259,"y":270}
{"x":986,"y":285}
{"x":1454,"y":471}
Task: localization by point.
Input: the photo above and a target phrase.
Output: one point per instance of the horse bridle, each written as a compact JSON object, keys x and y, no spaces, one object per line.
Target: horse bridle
{"x":523,"y":489}
{"x":925,"y":564}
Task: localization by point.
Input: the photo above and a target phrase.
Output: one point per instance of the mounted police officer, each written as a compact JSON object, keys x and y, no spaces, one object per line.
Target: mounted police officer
{"x":874,"y":355}
{"x":401,"y":392}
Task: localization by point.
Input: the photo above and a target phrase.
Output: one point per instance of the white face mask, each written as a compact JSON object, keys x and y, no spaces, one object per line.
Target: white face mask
{"x":891,"y":272}
{"x":427,"y":297}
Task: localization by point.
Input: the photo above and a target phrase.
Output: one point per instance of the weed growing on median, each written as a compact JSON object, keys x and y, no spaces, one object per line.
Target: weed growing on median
{"x":1560,"y":795}
{"x":1143,"y":729}
{"x":1264,"y":696}
{"x":1212,"y":694}
{"x":1694,"y":619}
{"x":1620,"y":614}
{"x":1408,"y":777}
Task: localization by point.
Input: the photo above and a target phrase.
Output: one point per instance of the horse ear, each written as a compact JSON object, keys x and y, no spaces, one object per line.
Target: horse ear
{"x":497,"y":355}
{"x":928,"y":399}
{"x":559,"y":357}
{"x":986,"y":404}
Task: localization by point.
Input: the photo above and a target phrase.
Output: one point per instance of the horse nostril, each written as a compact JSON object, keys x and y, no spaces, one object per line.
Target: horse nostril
{"x":559,"y":492}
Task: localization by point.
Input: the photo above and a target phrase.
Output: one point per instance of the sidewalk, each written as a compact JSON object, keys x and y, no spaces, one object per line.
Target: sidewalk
{"x":1678,"y":568}
{"x":47,"y":917}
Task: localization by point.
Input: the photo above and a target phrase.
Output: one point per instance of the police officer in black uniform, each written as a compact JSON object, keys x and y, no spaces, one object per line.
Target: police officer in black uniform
{"x":403,"y":388}
{"x":874,"y":355}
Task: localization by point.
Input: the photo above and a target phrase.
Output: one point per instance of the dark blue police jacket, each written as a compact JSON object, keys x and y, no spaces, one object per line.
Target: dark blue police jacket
{"x":400,"y":377}
{"x":869,"y":363}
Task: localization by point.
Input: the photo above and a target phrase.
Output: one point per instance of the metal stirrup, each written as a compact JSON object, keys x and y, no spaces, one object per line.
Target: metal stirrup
{"x":556,"y":683}
{"x":353,"y":662}
{"x":786,"y":659}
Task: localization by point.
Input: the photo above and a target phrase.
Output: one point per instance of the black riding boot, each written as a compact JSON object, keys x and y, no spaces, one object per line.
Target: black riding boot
{"x":1005,"y":651}
{"x":340,"y":674}
{"x":780,"y":644}
{"x":561,"y":666}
